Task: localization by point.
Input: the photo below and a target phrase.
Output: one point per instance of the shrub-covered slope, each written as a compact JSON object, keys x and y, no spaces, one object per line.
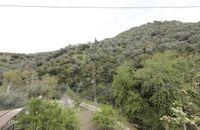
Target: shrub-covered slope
{"x":71,"y":62}
{"x":96,"y":71}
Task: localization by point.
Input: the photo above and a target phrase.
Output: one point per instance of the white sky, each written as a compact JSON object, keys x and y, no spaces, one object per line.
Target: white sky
{"x":29,"y":30}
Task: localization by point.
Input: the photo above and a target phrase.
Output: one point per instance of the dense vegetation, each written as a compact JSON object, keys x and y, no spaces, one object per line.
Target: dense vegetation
{"x":45,"y":115}
{"x":150,"y":73}
{"x":106,"y":119}
{"x":164,"y":82}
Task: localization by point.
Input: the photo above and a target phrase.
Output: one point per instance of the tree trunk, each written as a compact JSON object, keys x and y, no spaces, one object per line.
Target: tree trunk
{"x":184,"y":127}
{"x":94,"y":84}
{"x":8,"y":87}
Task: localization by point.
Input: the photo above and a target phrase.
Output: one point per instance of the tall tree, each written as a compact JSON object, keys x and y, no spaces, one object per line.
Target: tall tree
{"x":12,"y":78}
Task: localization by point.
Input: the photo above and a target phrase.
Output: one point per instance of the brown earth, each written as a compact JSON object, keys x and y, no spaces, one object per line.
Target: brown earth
{"x":85,"y":120}
{"x":85,"y":117}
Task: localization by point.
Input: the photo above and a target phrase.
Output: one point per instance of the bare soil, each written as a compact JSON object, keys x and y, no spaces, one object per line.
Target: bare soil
{"x":85,"y":120}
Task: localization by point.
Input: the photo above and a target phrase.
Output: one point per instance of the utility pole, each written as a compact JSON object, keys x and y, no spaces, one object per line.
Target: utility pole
{"x":94,"y":83}
{"x":8,"y":87}
{"x":93,"y":72}
{"x":75,"y":76}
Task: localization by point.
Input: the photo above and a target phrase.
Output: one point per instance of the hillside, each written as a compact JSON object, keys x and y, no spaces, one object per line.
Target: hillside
{"x":91,"y":69}
{"x":151,"y":37}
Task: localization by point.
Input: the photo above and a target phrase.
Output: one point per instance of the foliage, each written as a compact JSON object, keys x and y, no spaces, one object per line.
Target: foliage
{"x":154,"y":88}
{"x":141,"y":71}
{"x":106,"y":118}
{"x":46,"y":115}
{"x":126,"y":96}
{"x":70,"y":93}
{"x":179,"y":118}
{"x":12,"y":78}
{"x":46,"y":87}
{"x":161,"y":80}
{"x":12,"y":100}
{"x":72,"y":65}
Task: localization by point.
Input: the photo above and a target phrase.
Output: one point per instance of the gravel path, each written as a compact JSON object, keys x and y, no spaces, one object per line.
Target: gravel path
{"x":85,"y":120}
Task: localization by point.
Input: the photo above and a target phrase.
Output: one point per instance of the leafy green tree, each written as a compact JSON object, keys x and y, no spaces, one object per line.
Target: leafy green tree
{"x":164,"y":80}
{"x":12,"y":78}
{"x":122,"y":83}
{"x":125,"y":91}
{"x":153,"y":88}
{"x":161,"y":80}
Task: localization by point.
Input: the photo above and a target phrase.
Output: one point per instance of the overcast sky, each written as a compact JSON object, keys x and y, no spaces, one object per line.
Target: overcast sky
{"x":29,"y":30}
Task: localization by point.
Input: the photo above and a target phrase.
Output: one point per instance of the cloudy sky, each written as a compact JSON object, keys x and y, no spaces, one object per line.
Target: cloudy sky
{"x":29,"y":30}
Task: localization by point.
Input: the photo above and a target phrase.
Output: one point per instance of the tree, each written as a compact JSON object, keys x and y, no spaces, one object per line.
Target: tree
{"x":161,"y":79}
{"x":165,"y":79}
{"x":122,"y":83}
{"x":46,"y":87}
{"x":124,"y":87}
{"x":153,"y":88}
{"x":12,"y":78}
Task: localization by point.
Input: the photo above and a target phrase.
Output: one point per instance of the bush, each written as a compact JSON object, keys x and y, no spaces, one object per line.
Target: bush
{"x":45,"y":115}
{"x":11,"y":100}
{"x":72,"y":95}
{"x":106,"y":118}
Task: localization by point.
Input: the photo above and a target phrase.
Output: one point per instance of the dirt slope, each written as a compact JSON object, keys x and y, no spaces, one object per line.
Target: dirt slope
{"x":85,"y":120}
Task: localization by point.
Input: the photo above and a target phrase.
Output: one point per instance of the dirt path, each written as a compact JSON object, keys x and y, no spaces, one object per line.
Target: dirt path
{"x":86,"y":115}
{"x":85,"y":120}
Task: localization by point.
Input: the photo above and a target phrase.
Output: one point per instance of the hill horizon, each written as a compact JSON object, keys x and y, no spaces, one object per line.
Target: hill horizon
{"x":77,"y":44}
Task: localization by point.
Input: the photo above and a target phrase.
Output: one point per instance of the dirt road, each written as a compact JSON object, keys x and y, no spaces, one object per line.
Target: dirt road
{"x":85,"y":120}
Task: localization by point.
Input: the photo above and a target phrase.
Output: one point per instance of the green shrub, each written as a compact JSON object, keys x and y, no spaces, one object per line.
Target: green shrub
{"x":106,"y":118}
{"x":45,"y":115}
{"x":12,"y":100}
{"x":70,"y":93}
